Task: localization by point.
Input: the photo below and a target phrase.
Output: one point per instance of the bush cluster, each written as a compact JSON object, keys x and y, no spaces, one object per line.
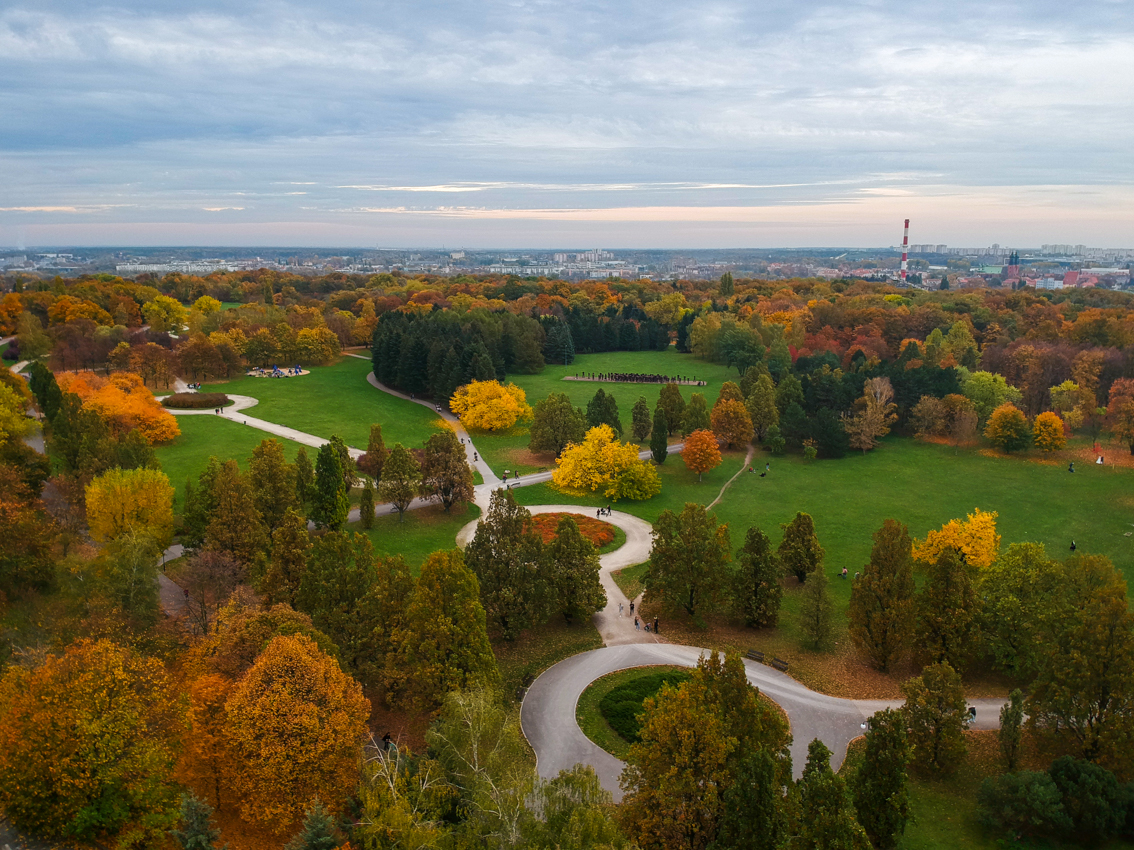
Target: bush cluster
{"x":622,"y":707}
{"x":196,"y":401}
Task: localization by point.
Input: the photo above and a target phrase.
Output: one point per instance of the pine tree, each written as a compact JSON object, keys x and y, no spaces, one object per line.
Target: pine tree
{"x":234,"y":521}
{"x":880,"y":786}
{"x":572,"y":564}
{"x":290,"y":545}
{"x":273,"y":482}
{"x":752,"y":811}
{"x":329,"y":503}
{"x":659,"y":437}
{"x":401,"y":480}
{"x":946,"y":611}
{"x":757,"y":590}
{"x":318,"y":831}
{"x":826,"y":813}
{"x":936,"y":714}
{"x":197,"y":831}
{"x":1011,"y":719}
{"x":366,"y":506}
{"x":800,"y":552}
{"x":603,"y":408}
{"x":816,"y":609}
{"x":640,"y":420}
{"x":882,"y":599}
{"x":671,"y":401}
{"x":372,"y":461}
{"x":696,"y":415}
{"x":555,"y":424}
{"x":304,"y":478}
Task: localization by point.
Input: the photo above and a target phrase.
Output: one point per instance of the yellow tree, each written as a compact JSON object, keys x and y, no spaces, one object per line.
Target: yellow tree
{"x":295,"y":728}
{"x":603,"y":463}
{"x":874,"y":415}
{"x":732,"y":423}
{"x":490,"y":406}
{"x":975,"y":537}
{"x":122,"y":500}
{"x":701,"y":452}
{"x":1047,"y":432}
{"x":1007,"y":428}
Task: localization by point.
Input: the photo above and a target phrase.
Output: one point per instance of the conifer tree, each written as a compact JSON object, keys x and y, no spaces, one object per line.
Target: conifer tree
{"x":1011,"y":719}
{"x":696,"y":415}
{"x":659,"y":437}
{"x":757,"y":591}
{"x":304,"y":478}
{"x":366,"y":506}
{"x":936,"y":714}
{"x":346,"y":462}
{"x":234,"y":522}
{"x":290,"y":545}
{"x":816,"y":609}
{"x":640,"y":420}
{"x":752,"y":810}
{"x":671,"y":401}
{"x":603,"y":408}
{"x":946,"y":611}
{"x":318,"y":831}
{"x":826,"y":813}
{"x":573,"y":568}
{"x":372,"y":461}
{"x":799,"y":551}
{"x":329,"y":503}
{"x":401,"y":480}
{"x":882,"y":599}
{"x":273,"y":482}
{"x":197,"y":831}
{"x":881,"y":795}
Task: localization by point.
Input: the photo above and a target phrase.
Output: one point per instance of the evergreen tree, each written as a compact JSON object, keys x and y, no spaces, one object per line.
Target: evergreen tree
{"x":882,"y":599}
{"x":761,"y":404}
{"x":794,"y":425}
{"x":234,"y":521}
{"x":659,"y":437}
{"x":640,"y":420}
{"x":800,"y":552}
{"x":346,"y":462}
{"x":304,"y":478}
{"x":290,"y":545}
{"x":826,"y":813}
{"x":197,"y":831}
{"x":689,"y":558}
{"x":816,"y":609}
{"x":1010,"y":738}
{"x":329,"y":503}
{"x":318,"y":831}
{"x":936,"y":714}
{"x":881,"y":795}
{"x":445,"y":472}
{"x":757,"y":590}
{"x":946,"y":611}
{"x":273,"y":482}
{"x":560,"y":346}
{"x":375,"y":456}
{"x":727,"y":285}
{"x":401,"y":479}
{"x":788,"y":391}
{"x":830,"y":434}
{"x":604,"y":409}
{"x":573,"y":568}
{"x":366,"y":506}
{"x":671,"y":401}
{"x":752,"y":811}
{"x":696,"y":416}
{"x":555,"y":424}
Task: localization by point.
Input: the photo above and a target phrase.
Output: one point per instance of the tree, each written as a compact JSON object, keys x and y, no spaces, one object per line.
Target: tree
{"x":508,"y":562}
{"x":761,"y":405}
{"x":795,"y":425}
{"x":273,"y":483}
{"x":689,"y":558}
{"x":696,"y":416}
{"x":829,"y":434}
{"x":757,"y":591}
{"x":602,"y":463}
{"x":602,"y":409}
{"x":290,"y":545}
{"x":975,"y":538}
{"x":799,"y":551}
{"x":640,"y":420}
{"x":659,"y":437}
{"x":701,"y":452}
{"x":1008,"y":429}
{"x":208,"y":578}
{"x":366,"y":506}
{"x":197,"y":831}
{"x":731,"y":423}
{"x":946,"y":612}
{"x":752,"y":810}
{"x":444,"y":646}
{"x":816,"y":609}
{"x":165,"y":314}
{"x":774,"y":440}
{"x":874,"y":415}
{"x":88,"y":742}
{"x":1009,"y":736}
{"x":1092,"y":799}
{"x":928,"y":417}
{"x":329,"y":503}
{"x":573,"y":569}
{"x":234,"y":522}
{"x":124,"y":500}
{"x":556,"y":424}
{"x":1024,"y":803}
{"x":318,"y":832}
{"x":727,"y":287}
{"x":490,"y":406}
{"x":350,"y":471}
{"x":1017,"y":594}
{"x":881,"y":795}
{"x":375,"y":456}
{"x":577,"y":813}
{"x":304,"y":478}
{"x":937,"y":715}
{"x":1047,"y":432}
{"x":560,"y":345}
{"x":882,"y":598}
{"x":401,"y":479}
{"x":445,"y":472}
{"x":295,"y":727}
{"x":789,"y":391}
{"x":987,"y":392}
{"x":34,"y":343}
{"x":126,"y":573}
{"x":826,"y":812}
{"x":672,"y":403}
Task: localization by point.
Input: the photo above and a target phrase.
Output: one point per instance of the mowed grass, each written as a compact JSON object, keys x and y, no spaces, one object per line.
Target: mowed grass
{"x":423,"y":532}
{"x":335,"y":400}
{"x":641,"y":681}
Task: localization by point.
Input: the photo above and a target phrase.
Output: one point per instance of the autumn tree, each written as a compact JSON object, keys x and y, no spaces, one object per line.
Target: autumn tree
{"x":602,"y":463}
{"x":290,"y":544}
{"x":936,"y":714}
{"x":928,"y":417}
{"x":1008,"y":429}
{"x":873,"y":416}
{"x":556,"y":423}
{"x":507,"y":559}
{"x":27,"y":562}
{"x":445,"y":472}
{"x":1120,"y":411}
{"x":826,"y":811}
{"x":671,"y":402}
{"x":1047,"y":432}
{"x":234,"y":522}
{"x":366,"y":506}
{"x":329,"y":503}
{"x":880,"y":785}
{"x":125,"y":573}
{"x":346,"y":462}
{"x":696,"y":416}
{"x":799,"y":551}
{"x":295,"y":727}
{"x":602,"y":409}
{"x":401,"y":479}
{"x":701,"y":452}
{"x":659,"y":437}
{"x":573,"y":570}
{"x":205,"y":759}
{"x":757,"y":591}
{"x":689,"y":558}
{"x":88,"y":741}
{"x":816,"y":609}
{"x":882,"y":598}
{"x":273,"y":482}
{"x":375,"y":456}
{"x":139,"y":500}
{"x":208,"y":579}
{"x":975,"y":538}
{"x":761,"y":406}
{"x":165,"y":314}
{"x":731,"y":423}
{"x":946,"y":612}
{"x":490,"y":406}
{"x":304,"y":478}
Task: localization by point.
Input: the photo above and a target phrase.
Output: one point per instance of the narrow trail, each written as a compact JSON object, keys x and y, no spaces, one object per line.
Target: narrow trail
{"x":747,"y":461}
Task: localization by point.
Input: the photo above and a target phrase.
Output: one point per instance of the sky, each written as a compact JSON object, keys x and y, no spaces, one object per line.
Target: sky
{"x":620,"y":124}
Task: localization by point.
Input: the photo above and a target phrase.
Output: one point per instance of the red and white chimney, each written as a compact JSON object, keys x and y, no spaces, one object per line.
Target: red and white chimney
{"x":905,"y":249}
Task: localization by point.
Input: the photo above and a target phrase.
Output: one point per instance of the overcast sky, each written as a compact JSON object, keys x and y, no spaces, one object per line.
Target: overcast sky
{"x":625,"y":123}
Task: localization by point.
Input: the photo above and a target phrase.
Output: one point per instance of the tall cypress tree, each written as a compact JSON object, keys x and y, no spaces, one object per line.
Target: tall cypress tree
{"x":329,"y":502}
{"x":304,"y":478}
{"x":881,"y":795}
{"x":659,"y":437}
{"x":640,"y":420}
{"x":882,"y":599}
{"x":366,"y":506}
{"x":757,"y":590}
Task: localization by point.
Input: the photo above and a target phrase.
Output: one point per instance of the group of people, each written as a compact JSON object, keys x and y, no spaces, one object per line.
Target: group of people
{"x":274,"y":372}
{"x":636,"y":378}
{"x":194,"y":387}
{"x":767,"y":469}
{"x":603,"y":511}
{"x":638,"y":624}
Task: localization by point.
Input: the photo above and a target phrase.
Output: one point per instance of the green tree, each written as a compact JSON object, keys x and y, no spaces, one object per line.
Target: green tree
{"x":799,"y":551}
{"x":659,"y":437}
{"x":401,"y":479}
{"x":946,"y":611}
{"x":346,"y":462}
{"x":375,"y":456}
{"x":774,"y":440}
{"x":603,"y":408}
{"x":671,"y":401}
{"x":826,"y":812}
{"x":318,"y":831}
{"x":555,"y":423}
{"x":197,"y":831}
{"x":329,"y":502}
{"x":290,"y":545}
{"x":988,"y":391}
{"x":689,"y":558}
{"x":795,"y":426}
{"x":507,"y":559}
{"x":304,"y":478}
{"x":126,"y":571}
{"x":761,"y":404}
{"x":816,"y":609}
{"x":1018,"y":593}
{"x":882,"y":598}
{"x":1092,"y":798}
{"x":757,"y":591}
{"x":640,"y":420}
{"x":880,"y":785}
{"x":789,"y":391}
{"x":273,"y":483}
{"x":752,"y":809}
{"x":235,"y":525}
{"x":366,"y":506}
{"x":936,"y":715}
{"x":1025,"y":803}
{"x":445,"y":472}
{"x":577,"y":813}
{"x":696,"y":416}
{"x":573,"y":569}
{"x":727,"y":286}
{"x":1010,"y":734}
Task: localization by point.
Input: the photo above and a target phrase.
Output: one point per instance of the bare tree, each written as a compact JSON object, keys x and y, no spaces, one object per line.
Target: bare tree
{"x":209,"y":578}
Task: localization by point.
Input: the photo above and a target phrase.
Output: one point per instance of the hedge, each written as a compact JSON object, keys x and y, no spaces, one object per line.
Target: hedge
{"x":196,"y":401}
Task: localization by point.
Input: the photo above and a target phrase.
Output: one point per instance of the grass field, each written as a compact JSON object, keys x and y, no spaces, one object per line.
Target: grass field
{"x":335,"y":400}
{"x":423,"y":532}
{"x":590,"y":717}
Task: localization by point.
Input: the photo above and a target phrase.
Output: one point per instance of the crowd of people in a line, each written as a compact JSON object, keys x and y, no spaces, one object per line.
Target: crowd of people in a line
{"x":637,"y":378}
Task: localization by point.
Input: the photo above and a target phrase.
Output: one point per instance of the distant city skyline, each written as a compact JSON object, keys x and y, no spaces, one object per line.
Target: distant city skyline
{"x":625,"y":124}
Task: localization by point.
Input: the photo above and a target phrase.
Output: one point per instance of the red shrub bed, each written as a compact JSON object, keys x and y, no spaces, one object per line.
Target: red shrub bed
{"x":598,"y":532}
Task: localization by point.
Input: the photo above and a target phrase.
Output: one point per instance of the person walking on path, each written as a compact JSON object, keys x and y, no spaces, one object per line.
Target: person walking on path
{"x":655,"y":625}
{"x":631,"y":606}
{"x":637,"y":625}
{"x":619,"y":609}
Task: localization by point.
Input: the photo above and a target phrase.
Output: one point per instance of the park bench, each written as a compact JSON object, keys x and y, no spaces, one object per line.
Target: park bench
{"x":520,"y":693}
{"x":528,"y":679}
{"x":780,"y":664}
{"x":756,"y":655}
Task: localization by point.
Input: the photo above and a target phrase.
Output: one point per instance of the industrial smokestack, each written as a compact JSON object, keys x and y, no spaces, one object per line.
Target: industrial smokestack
{"x":905,"y":249}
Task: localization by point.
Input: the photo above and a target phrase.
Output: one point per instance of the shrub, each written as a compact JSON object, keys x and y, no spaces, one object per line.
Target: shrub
{"x":1027,"y":803}
{"x":623,"y":705}
{"x":546,"y":525}
{"x":196,"y":401}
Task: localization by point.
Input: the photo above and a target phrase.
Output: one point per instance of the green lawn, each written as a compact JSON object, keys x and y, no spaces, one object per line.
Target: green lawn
{"x":423,"y":532}
{"x":335,"y":400}
{"x":640,"y":682}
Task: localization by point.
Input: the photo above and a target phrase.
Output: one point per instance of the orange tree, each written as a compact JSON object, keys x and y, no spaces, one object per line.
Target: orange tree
{"x":732,"y":423}
{"x":701,"y":452}
{"x":124,"y":402}
{"x":490,"y":406}
{"x":87,"y":745}
{"x":1047,"y":432}
{"x":1007,"y":428}
{"x":1120,"y":411}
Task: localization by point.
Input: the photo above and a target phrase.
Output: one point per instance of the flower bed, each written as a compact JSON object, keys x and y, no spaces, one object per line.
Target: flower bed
{"x":598,"y":532}
{"x":196,"y":401}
